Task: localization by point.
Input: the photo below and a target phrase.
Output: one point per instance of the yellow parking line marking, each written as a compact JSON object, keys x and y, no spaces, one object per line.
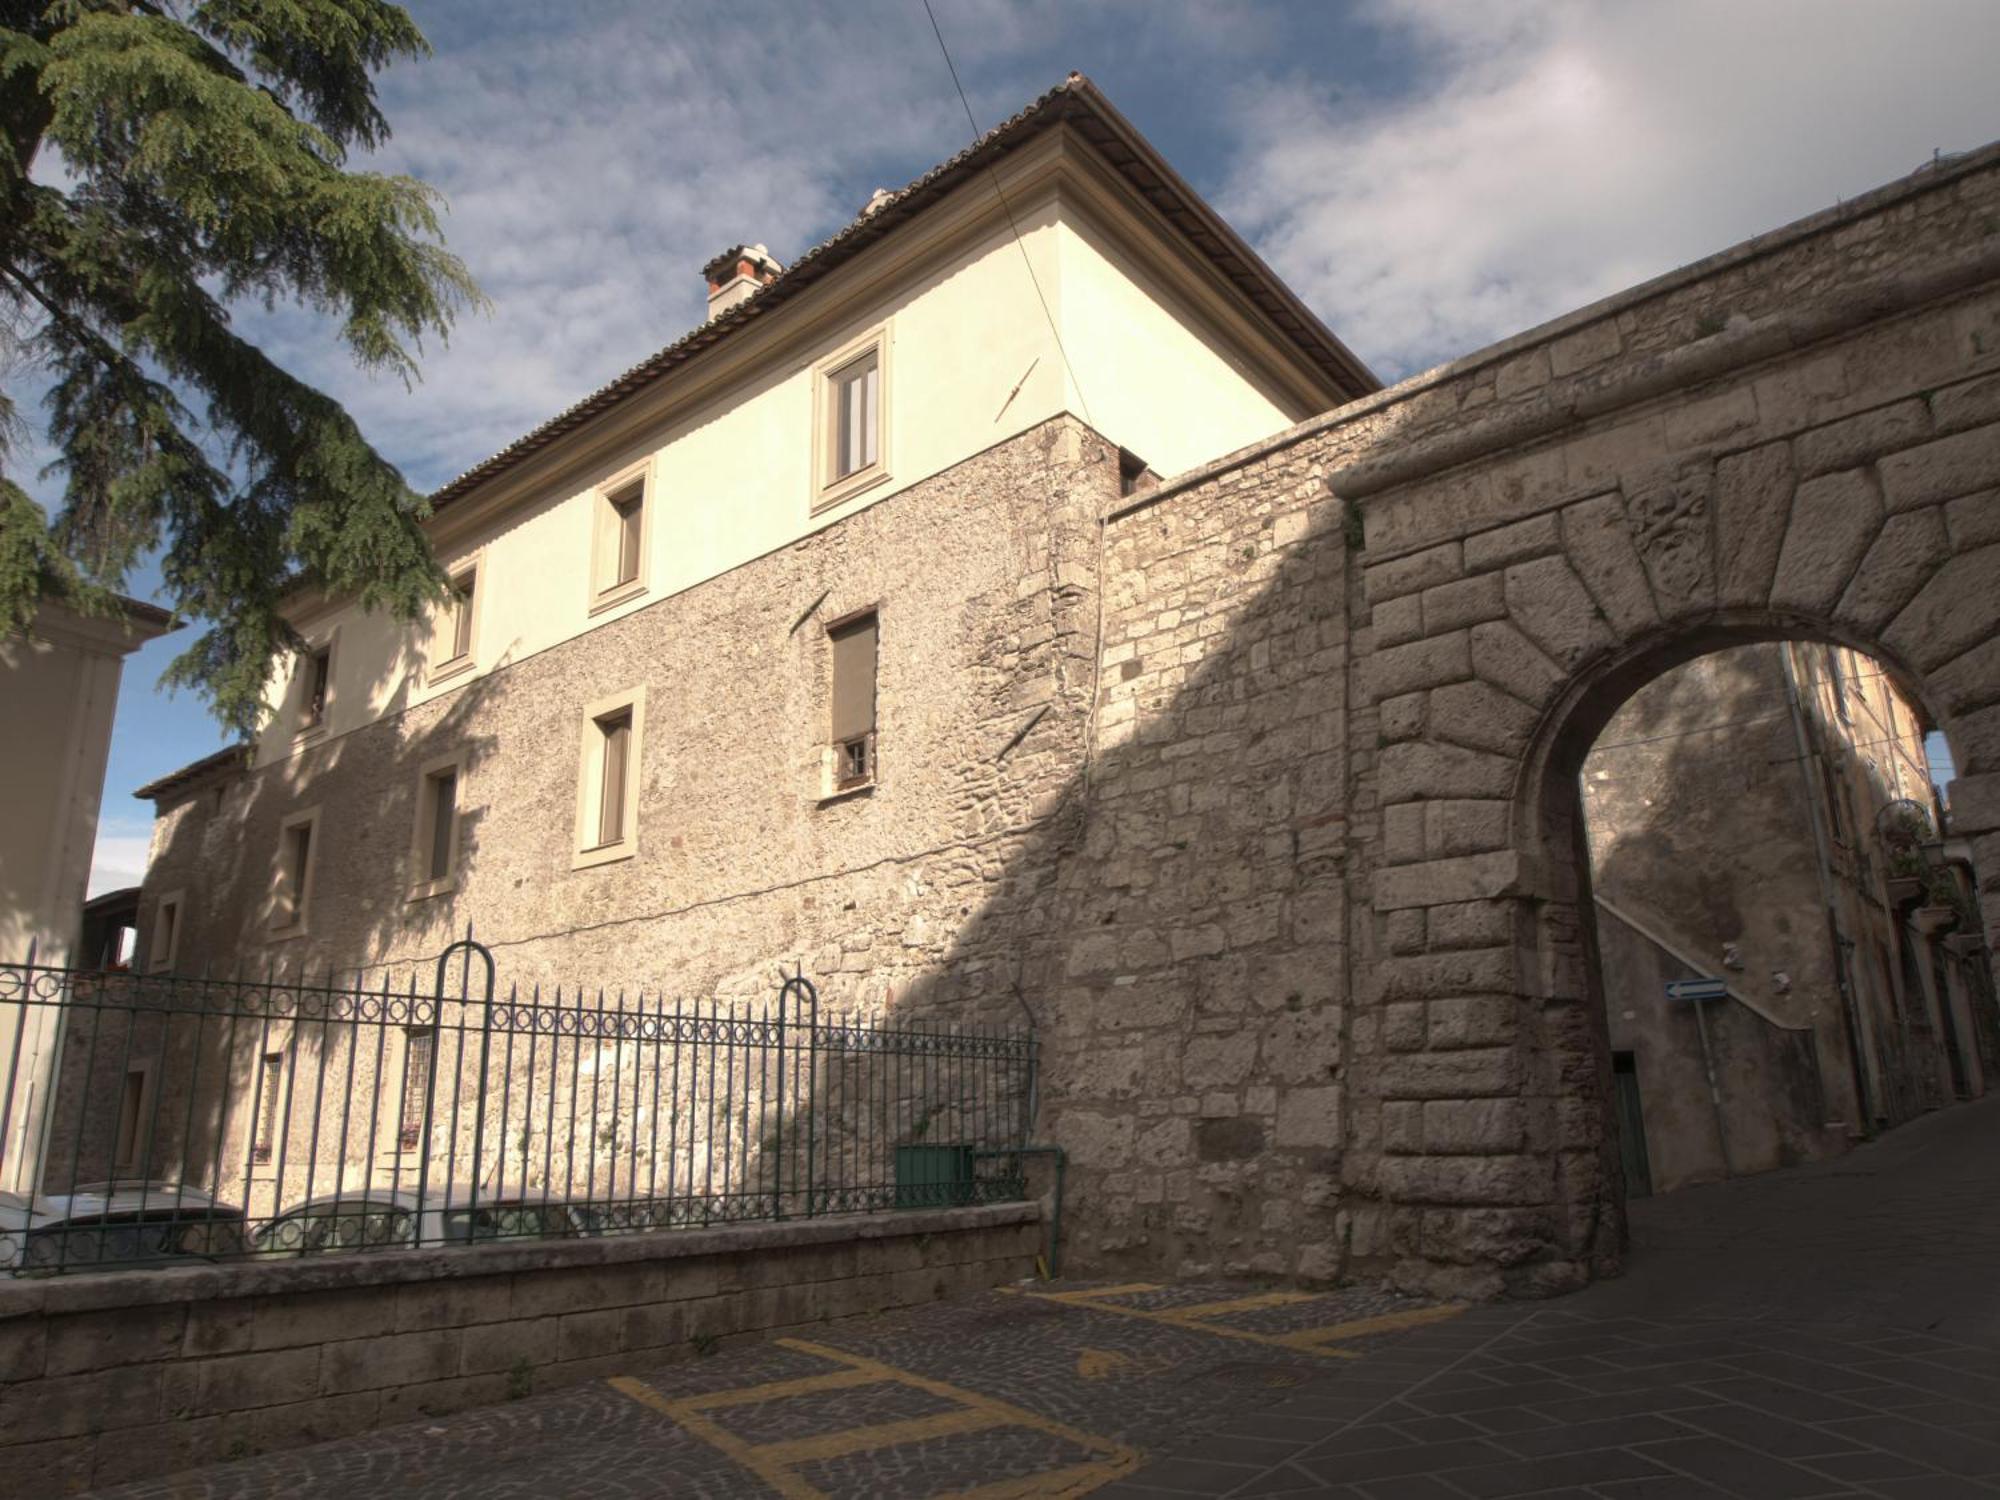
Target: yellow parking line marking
{"x":1243,"y":1304}
{"x":777,"y":1476}
{"x":806,"y":1450}
{"x":1092,"y":1293}
{"x":1362,"y":1327}
{"x":778,"y":1390}
{"x":1199,"y":1325}
{"x":777,"y":1463}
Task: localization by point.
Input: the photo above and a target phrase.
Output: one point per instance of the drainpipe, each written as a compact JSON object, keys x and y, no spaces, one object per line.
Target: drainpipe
{"x":1860,"y":1049}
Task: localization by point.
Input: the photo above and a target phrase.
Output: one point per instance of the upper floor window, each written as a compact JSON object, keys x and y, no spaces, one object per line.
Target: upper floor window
{"x":166,"y":944}
{"x":291,"y":891}
{"x":852,"y":441}
{"x":607,"y":815}
{"x":854,"y":643}
{"x":434,"y":838}
{"x":618,"y":564}
{"x":458,"y":625}
{"x":315,"y":676}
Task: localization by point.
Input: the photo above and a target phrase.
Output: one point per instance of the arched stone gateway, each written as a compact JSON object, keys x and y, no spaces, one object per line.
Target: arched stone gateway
{"x":1350,"y":676}
{"x":1828,"y":469}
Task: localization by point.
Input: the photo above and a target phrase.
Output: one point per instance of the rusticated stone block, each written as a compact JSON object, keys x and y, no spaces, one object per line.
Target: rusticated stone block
{"x":1958,"y":608}
{"x":1443,"y":882}
{"x":1473,"y":1021}
{"x":124,"y":1336}
{"x":1469,"y":601}
{"x":1973,"y":520}
{"x":1423,"y":768}
{"x":1905,"y":553}
{"x":1471,"y":924}
{"x":1753,"y":500}
{"x":1857,"y":440}
{"x":238,"y":1382}
{"x":1398,"y":620}
{"x":1465,"y":1179}
{"x":1412,"y":574}
{"x":1550,"y":605}
{"x":1480,"y":716}
{"x":1510,"y":661}
{"x":390,"y":1360}
{"x":1473,"y":1126}
{"x":1834,"y":518}
{"x":1432,"y":975}
{"x":1938,"y":471}
{"x":1421,"y":664}
{"x":1469,"y":1074}
{"x":1599,"y":545}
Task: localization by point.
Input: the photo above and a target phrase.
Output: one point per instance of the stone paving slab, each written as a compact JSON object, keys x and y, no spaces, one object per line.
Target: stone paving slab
{"x":1831,"y":1332}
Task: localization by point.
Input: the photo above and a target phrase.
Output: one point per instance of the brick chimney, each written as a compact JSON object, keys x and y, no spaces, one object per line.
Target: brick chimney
{"x":736,"y":275}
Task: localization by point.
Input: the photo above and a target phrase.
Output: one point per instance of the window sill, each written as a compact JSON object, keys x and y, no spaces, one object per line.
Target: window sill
{"x":611,"y":598}
{"x":849,"y":793}
{"x":458,"y":666}
{"x":604,"y":854}
{"x":285,"y":934}
{"x":307,"y":734}
{"x":423,"y":890}
{"x":843,"y":490}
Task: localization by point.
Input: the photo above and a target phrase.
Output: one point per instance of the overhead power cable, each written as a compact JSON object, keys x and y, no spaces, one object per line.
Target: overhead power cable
{"x":1008,"y":209}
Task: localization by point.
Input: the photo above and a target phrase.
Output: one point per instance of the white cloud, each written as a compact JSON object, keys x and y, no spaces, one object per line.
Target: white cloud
{"x":1549,"y":154}
{"x":119,"y":860}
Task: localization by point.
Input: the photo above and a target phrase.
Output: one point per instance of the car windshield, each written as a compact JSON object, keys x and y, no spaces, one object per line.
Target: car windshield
{"x":349,"y":1225}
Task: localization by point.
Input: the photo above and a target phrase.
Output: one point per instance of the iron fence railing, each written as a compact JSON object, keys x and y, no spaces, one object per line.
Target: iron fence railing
{"x":150,"y":1117}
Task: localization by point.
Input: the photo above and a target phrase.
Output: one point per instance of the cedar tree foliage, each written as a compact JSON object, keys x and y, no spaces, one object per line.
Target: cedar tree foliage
{"x":160,"y":162}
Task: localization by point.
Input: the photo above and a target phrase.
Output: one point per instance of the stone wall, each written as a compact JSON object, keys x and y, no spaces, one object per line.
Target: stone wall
{"x":136,"y":1375}
{"x":984,"y":580}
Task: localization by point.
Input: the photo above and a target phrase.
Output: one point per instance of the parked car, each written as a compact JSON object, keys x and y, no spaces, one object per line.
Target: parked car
{"x":111,"y":1225}
{"x":378,"y":1218}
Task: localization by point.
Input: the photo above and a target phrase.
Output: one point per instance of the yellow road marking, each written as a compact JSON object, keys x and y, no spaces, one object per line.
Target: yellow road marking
{"x":1199,"y":1325}
{"x":777,"y":1476}
{"x":1091,"y":1293}
{"x":820,"y":1445}
{"x":1097,"y":1364}
{"x":778,"y":1390}
{"x":777,"y":1463}
{"x":1360,"y":1328}
{"x":1243,"y":1304}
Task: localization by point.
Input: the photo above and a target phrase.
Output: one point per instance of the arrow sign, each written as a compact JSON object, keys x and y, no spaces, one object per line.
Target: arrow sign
{"x":1697,"y":989}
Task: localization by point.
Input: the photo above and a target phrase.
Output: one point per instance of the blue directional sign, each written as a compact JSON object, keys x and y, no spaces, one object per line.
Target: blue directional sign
{"x":1697,"y":989}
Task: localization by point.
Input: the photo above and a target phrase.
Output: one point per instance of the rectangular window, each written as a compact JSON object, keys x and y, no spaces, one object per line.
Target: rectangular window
{"x":607,"y":811}
{"x":615,"y":731}
{"x":851,"y":440}
{"x":857,"y":409}
{"x":854,"y":648}
{"x":418,"y":1057}
{"x":292,"y":887}
{"x":618,"y":570}
{"x":443,"y":814}
{"x":464,"y":589}
{"x":133,"y":1134}
{"x":166,"y":932}
{"x":316,"y":682}
{"x":270,"y":1091}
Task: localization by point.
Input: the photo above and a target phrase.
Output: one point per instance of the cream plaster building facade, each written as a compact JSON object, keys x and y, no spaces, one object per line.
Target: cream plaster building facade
{"x":58,"y":693}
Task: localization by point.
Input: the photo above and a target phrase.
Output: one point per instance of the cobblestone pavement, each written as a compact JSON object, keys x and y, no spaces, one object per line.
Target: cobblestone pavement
{"x":1829,"y":1331}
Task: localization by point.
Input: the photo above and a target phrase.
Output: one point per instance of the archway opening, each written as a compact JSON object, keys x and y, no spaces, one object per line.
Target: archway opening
{"x":1779,"y":934}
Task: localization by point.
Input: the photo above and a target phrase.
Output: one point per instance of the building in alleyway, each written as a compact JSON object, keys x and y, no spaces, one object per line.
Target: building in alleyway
{"x":1137,"y":667}
{"x":1744,"y":814}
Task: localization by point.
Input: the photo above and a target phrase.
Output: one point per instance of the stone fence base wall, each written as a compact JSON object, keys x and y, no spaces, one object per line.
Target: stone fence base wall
{"x":115,"y":1377}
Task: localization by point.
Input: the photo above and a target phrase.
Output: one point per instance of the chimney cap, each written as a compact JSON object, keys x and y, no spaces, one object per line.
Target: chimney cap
{"x":722,"y":268}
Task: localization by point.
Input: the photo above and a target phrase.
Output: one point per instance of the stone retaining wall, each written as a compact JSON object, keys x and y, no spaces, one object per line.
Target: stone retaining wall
{"x":115,"y":1377}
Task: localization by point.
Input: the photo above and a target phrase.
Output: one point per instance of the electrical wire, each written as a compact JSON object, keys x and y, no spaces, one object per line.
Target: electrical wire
{"x":1008,"y":209}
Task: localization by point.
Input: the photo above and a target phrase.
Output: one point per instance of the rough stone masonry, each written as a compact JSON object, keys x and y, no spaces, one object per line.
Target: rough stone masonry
{"x":1257,"y":790}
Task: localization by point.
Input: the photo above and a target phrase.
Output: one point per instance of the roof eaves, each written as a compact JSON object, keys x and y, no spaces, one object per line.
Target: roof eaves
{"x":1076,"y":98}
{"x":230,"y":755}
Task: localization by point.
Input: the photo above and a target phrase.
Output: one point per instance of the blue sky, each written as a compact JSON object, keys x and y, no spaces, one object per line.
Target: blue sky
{"x":1429,"y":175}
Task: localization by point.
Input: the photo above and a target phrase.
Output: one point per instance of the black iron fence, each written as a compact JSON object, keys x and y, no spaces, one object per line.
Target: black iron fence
{"x":146,"y":1118}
